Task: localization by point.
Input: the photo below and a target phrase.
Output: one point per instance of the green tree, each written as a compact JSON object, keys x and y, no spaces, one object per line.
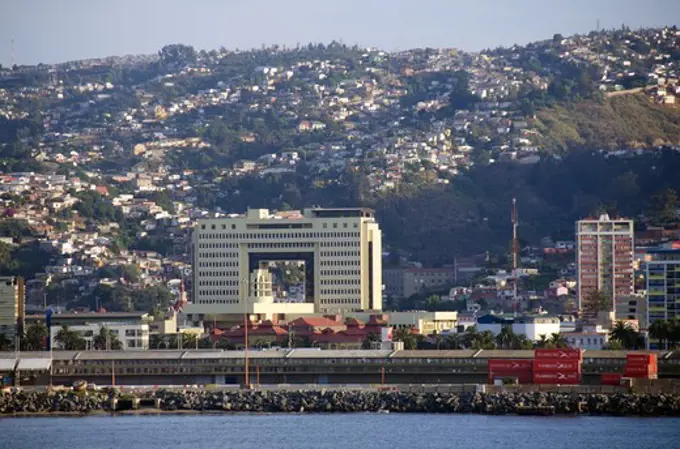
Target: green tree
{"x":5,"y":342}
{"x":626,"y":335}
{"x":69,"y":340}
{"x":35,"y":337}
{"x":557,"y":340}
{"x":663,"y":208}
{"x":107,"y":340}
{"x":506,"y":338}
{"x":405,"y":336}
{"x":661,"y":330}
{"x":597,"y":302}
{"x":370,"y":340}
{"x":484,"y":340}
{"x":542,"y":341}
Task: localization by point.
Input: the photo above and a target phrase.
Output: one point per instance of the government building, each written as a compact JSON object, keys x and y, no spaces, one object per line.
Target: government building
{"x":337,"y":252}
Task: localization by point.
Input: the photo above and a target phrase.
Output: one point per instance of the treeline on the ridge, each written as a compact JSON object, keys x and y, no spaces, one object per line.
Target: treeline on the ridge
{"x":472,"y":213}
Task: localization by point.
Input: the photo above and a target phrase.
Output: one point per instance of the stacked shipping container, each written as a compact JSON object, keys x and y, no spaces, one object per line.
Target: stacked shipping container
{"x":519,"y":368}
{"x":557,"y":366}
{"x":641,"y":366}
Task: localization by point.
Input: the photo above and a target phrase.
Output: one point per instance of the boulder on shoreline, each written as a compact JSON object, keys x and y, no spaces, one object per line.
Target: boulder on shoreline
{"x":331,"y":401}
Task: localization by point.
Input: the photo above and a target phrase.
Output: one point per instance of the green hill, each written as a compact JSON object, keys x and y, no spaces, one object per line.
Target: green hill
{"x":621,"y":121}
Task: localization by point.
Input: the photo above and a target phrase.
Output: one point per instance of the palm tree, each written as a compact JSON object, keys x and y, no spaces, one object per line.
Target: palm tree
{"x":629,"y":337}
{"x":5,"y":343}
{"x":661,"y":330}
{"x":69,"y":340}
{"x":522,"y":342}
{"x":506,"y":337}
{"x":405,"y":336}
{"x":542,"y":341}
{"x":484,"y":340}
{"x":34,"y":337}
{"x":107,"y":340}
{"x":558,"y":341}
{"x":453,"y":341}
{"x":370,"y":340}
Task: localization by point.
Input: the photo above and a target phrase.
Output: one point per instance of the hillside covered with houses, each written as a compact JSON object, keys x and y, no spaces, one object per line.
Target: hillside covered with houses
{"x":106,"y":163}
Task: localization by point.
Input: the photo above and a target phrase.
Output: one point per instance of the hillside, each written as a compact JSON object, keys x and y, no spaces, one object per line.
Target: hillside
{"x":618,"y":122}
{"x":438,"y":141}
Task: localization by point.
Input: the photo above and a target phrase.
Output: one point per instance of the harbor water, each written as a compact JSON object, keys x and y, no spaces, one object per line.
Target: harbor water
{"x":321,"y":431}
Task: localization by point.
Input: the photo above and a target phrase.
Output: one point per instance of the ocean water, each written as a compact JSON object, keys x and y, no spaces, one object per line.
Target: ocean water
{"x":350,"y":431}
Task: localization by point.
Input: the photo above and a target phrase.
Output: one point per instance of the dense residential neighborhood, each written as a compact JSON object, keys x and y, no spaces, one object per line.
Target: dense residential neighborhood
{"x":107,"y":164}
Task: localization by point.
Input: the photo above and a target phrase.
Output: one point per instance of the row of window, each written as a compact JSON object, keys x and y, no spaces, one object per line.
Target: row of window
{"x":217,"y":301}
{"x":340,"y":272}
{"x":277,"y":235}
{"x":218,"y":283}
{"x":228,"y":292}
{"x":217,"y":273}
{"x":336,"y":243}
{"x":216,"y":255}
{"x":220,"y":264}
{"x":218,"y":245}
{"x":340,"y":282}
{"x":339,"y":263}
{"x":282,"y":245}
{"x":340,"y":301}
{"x":340,"y":253}
{"x":340,"y":291}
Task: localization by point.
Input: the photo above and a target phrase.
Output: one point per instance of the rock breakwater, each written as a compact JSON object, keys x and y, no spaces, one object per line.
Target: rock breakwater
{"x":262,"y":401}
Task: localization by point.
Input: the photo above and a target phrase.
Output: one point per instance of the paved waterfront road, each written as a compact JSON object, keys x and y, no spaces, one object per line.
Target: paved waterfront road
{"x":347,"y":431}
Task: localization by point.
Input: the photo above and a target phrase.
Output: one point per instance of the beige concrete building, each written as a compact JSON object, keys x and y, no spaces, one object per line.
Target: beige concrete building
{"x":340,"y":249}
{"x":404,"y":282}
{"x":12,"y":305}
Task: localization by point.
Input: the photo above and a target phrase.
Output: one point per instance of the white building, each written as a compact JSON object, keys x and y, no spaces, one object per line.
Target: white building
{"x":341,"y":251}
{"x":531,"y":326}
{"x":586,"y":340}
{"x":131,"y":329}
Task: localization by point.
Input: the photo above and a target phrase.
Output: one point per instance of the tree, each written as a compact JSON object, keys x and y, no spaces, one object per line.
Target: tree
{"x":130,"y":273}
{"x":69,"y":340}
{"x":661,"y":330}
{"x":542,"y":341}
{"x":405,"y":336}
{"x":178,"y":55}
{"x":556,"y":340}
{"x":484,"y":340}
{"x":107,"y":340}
{"x":597,"y":302}
{"x":625,"y":334}
{"x":369,"y":341}
{"x":506,"y":337}
{"x":5,"y":342}
{"x":34,"y":337}
{"x":663,"y":207}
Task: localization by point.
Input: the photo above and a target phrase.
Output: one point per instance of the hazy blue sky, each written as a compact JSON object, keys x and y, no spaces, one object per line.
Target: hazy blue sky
{"x":60,"y":30}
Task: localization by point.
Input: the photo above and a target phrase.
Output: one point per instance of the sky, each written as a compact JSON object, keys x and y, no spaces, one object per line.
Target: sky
{"x":51,"y":31}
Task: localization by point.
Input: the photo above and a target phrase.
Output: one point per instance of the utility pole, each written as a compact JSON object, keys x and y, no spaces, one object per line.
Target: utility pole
{"x":245,"y":330}
{"x":515,"y":250}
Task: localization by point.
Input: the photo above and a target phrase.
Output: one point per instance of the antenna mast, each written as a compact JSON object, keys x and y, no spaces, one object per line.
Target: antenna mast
{"x":515,"y":248}
{"x":13,"y":59}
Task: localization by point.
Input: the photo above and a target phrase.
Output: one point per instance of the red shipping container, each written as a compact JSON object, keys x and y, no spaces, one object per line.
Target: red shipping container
{"x":507,"y":365}
{"x":559,"y":354}
{"x":640,"y":359}
{"x":522,"y":377}
{"x":611,"y":379}
{"x":562,"y":366}
{"x":639,"y":371}
{"x":557,"y":378}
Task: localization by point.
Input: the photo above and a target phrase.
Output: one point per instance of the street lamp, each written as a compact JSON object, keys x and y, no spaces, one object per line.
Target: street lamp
{"x":245,"y":329}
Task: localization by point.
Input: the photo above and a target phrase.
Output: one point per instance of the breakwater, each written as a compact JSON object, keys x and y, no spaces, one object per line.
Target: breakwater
{"x":322,"y":401}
